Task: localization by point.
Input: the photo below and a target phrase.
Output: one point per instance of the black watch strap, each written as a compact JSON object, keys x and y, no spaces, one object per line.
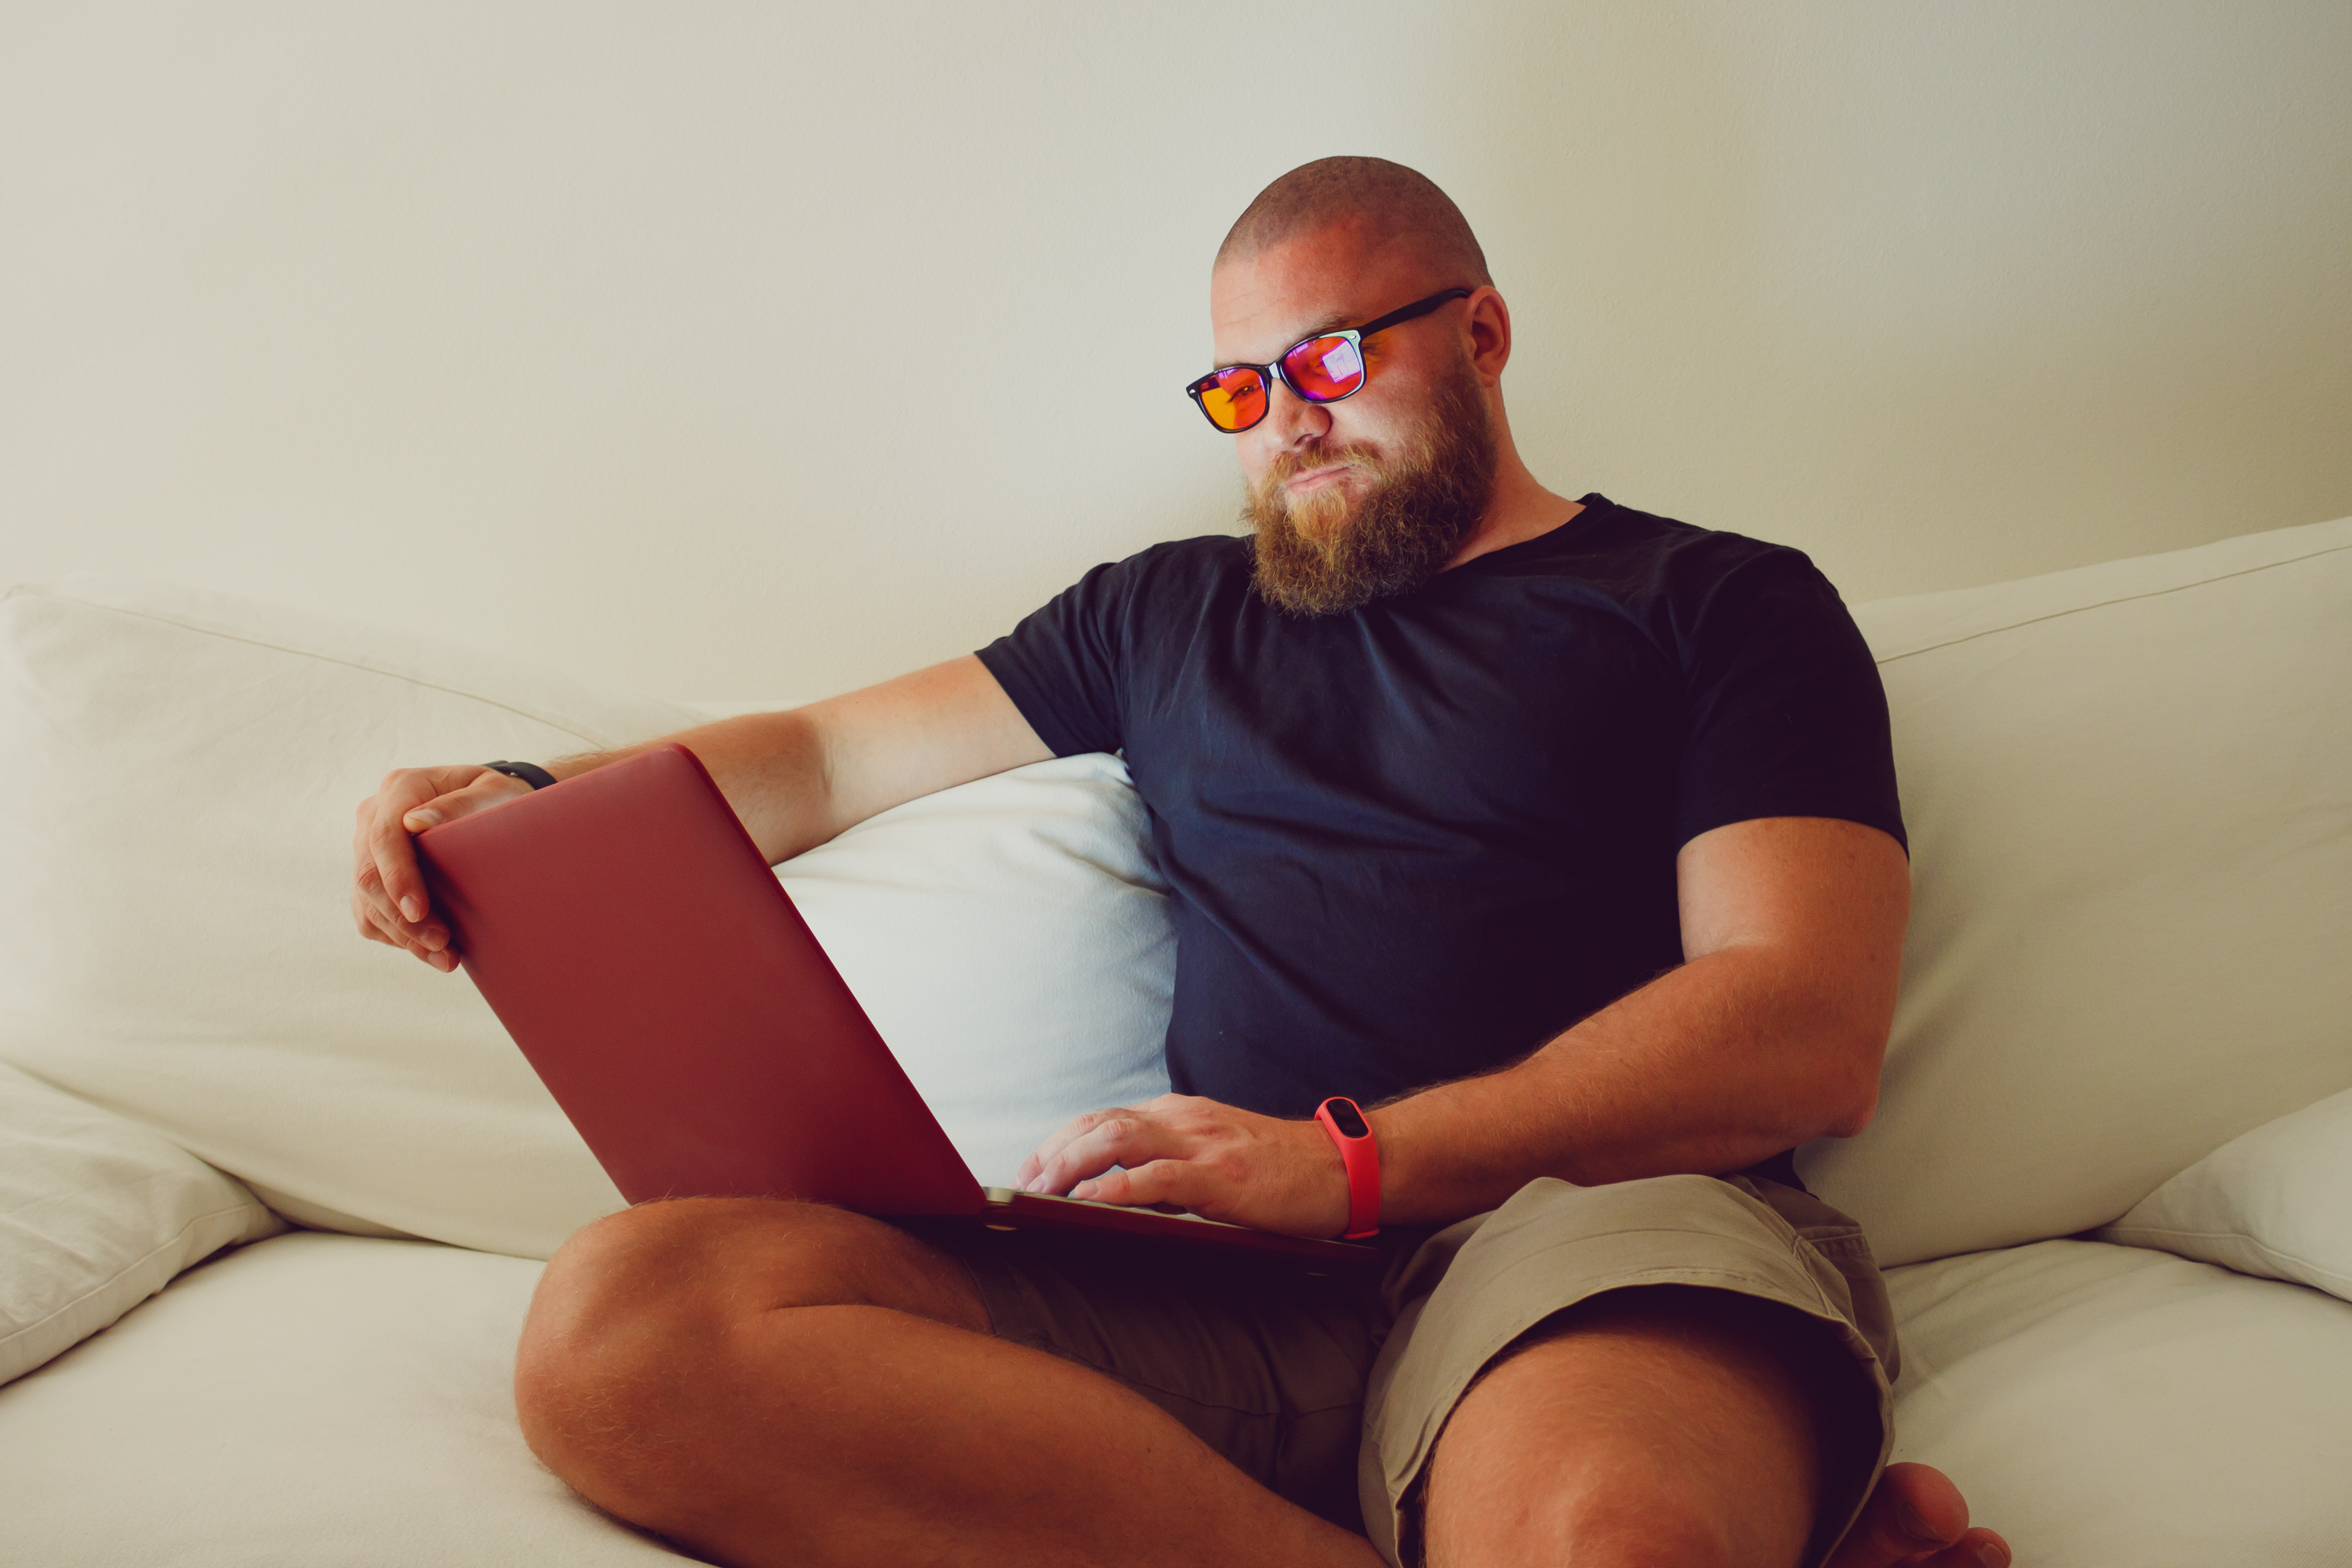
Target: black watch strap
{"x":531,"y":773}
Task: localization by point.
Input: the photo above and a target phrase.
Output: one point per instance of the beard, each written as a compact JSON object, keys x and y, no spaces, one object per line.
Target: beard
{"x":1325,"y":555}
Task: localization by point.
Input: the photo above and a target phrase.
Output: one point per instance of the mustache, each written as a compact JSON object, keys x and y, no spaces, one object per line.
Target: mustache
{"x":1288,"y":465}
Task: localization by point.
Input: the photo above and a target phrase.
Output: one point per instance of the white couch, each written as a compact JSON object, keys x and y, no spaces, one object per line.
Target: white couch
{"x":2128,"y":1004}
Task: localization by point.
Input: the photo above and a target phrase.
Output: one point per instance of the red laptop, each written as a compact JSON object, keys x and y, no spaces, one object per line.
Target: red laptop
{"x":634,"y":941}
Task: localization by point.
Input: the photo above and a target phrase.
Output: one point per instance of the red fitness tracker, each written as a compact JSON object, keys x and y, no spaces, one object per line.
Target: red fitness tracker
{"x":1346,"y":1124}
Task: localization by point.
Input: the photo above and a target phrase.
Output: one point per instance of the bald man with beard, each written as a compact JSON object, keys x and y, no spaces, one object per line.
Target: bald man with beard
{"x":1561,"y":836}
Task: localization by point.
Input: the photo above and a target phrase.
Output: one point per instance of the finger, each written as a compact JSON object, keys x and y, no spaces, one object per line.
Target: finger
{"x":1090,"y":1154}
{"x":486,"y":789}
{"x":1978,"y":1548}
{"x":1167,"y":1183}
{"x":365,"y":918}
{"x":386,"y":846}
{"x":368,"y":891}
{"x":1173,"y":1108}
{"x":424,"y":796}
{"x":1914,"y":1509}
{"x":1077,"y":1127}
{"x":1126,"y":1138}
{"x":396,"y":933}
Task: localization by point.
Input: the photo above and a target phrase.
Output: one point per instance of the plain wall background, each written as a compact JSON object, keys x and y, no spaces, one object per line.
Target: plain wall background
{"x":728,"y":349}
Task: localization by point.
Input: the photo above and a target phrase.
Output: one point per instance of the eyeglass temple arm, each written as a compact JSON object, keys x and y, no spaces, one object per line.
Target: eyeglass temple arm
{"x":1418,"y":308}
{"x":1380,"y":324}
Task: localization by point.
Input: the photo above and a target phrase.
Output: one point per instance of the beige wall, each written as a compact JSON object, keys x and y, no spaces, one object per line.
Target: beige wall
{"x":735,"y":350}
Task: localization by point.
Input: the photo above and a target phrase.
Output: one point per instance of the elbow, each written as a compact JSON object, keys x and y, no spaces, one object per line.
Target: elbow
{"x":1853,"y":1113}
{"x":1849,"y":1099}
{"x":1839,"y":1069}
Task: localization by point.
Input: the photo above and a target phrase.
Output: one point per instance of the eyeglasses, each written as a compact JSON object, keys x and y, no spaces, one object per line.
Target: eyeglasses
{"x":1321,"y":369}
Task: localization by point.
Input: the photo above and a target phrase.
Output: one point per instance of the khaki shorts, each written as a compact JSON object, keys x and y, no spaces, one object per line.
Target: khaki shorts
{"x":1332,"y":1392}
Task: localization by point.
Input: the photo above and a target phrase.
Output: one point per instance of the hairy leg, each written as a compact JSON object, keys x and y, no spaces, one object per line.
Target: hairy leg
{"x":1650,"y":1426}
{"x":1674,"y":1426}
{"x":770,"y":1383}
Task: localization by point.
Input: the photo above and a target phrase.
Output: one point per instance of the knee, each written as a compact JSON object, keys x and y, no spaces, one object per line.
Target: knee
{"x":1652,"y":1521}
{"x":628,"y":1333}
{"x":1635,"y":1516}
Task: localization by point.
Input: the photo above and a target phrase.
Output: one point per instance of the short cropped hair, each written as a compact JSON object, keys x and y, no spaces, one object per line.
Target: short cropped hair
{"x":1394,"y":200}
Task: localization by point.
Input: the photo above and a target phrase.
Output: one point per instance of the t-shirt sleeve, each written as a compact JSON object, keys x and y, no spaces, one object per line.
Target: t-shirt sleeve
{"x":1784,"y":713}
{"x":1062,"y":665}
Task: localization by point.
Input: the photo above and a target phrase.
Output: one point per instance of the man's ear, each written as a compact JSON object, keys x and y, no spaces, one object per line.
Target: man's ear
{"x":1489,"y":321}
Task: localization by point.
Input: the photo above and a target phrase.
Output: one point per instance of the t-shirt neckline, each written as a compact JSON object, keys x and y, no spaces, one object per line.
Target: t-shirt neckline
{"x":1592,"y":501}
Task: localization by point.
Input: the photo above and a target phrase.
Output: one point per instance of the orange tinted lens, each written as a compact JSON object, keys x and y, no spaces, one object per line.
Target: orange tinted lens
{"x":1235,"y":398}
{"x":1323,"y":369}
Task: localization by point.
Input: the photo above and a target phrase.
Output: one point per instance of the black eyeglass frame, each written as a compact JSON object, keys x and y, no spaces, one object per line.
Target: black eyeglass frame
{"x":1355,"y":335}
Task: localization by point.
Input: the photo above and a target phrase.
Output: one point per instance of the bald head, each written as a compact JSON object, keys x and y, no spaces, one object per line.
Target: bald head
{"x":1388,"y":202}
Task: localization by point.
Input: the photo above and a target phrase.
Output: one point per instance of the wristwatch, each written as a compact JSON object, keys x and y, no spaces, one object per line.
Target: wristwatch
{"x":531,"y":773}
{"x":1345,"y":1122}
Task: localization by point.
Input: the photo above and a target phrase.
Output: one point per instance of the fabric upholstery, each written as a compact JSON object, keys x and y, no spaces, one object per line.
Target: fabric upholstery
{"x":178,"y":772}
{"x":2275,"y":1202}
{"x":327,"y":1401}
{"x":2129,"y":793}
{"x":2106,"y":1405}
{"x":97,"y":1214}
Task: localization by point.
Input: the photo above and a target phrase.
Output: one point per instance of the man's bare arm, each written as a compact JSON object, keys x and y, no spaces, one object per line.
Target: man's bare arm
{"x":796,"y":779}
{"x":1772,"y":1033}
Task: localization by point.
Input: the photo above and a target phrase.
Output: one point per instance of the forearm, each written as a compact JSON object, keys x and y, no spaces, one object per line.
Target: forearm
{"x":1715,"y":1065}
{"x":770,"y":765}
{"x":799,"y":777}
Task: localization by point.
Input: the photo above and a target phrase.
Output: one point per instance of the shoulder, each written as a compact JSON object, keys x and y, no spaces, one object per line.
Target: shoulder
{"x":1645,"y":556}
{"x":1684,"y":584}
{"x":1205,"y":559}
{"x":1174,"y":575}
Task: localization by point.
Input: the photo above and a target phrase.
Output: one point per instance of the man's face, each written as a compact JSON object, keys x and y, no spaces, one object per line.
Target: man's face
{"x":1370,"y":495}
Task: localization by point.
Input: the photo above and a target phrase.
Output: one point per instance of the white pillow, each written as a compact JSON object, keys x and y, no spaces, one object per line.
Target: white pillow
{"x":178,"y":772}
{"x":1011,"y":941}
{"x":2275,"y":1202}
{"x":97,"y":1214}
{"x":2129,"y":793}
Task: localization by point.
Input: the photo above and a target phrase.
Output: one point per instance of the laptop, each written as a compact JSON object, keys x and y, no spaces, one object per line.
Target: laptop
{"x":633,"y":940}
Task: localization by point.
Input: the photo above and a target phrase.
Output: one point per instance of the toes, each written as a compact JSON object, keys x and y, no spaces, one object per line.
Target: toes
{"x":1976,"y":1549}
{"x":1914,"y":1511}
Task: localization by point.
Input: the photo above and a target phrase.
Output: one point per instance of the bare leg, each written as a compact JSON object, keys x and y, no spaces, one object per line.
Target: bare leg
{"x":1667,"y":1427}
{"x":767,"y":1382}
{"x":778,"y":1383}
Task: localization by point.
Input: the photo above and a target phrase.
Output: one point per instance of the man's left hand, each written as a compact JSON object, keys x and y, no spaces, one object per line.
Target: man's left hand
{"x":1184,"y":1151}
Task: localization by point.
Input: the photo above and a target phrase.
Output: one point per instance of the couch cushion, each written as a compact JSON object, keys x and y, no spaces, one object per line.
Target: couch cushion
{"x":177,"y":776}
{"x":2275,"y":1202}
{"x":2129,"y":794}
{"x":1009,"y":939}
{"x":2105,"y":1405}
{"x":97,"y":1214}
{"x":319,"y":1400}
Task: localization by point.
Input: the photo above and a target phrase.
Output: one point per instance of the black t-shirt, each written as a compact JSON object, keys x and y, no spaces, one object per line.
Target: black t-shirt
{"x":1416,"y":841}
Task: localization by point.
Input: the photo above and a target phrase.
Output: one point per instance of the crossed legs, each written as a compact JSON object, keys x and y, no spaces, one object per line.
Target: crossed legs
{"x":771,"y":1383}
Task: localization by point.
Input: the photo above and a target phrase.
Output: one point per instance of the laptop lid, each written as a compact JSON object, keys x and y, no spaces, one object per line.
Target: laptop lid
{"x":633,"y":940}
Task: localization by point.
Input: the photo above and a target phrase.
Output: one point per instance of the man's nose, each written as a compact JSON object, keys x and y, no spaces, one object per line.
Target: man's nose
{"x":1292,"y":420}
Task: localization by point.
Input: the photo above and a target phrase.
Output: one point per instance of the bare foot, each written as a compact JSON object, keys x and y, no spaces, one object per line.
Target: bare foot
{"x":1918,"y":1519}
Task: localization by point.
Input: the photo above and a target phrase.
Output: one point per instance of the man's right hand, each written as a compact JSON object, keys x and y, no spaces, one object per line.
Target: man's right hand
{"x":388,"y":896}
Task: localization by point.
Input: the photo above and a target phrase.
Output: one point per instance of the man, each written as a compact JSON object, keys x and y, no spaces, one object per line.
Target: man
{"x":1562,"y":836}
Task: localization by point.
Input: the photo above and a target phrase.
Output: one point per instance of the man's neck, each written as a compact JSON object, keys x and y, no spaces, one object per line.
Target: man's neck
{"x":1521,"y":510}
